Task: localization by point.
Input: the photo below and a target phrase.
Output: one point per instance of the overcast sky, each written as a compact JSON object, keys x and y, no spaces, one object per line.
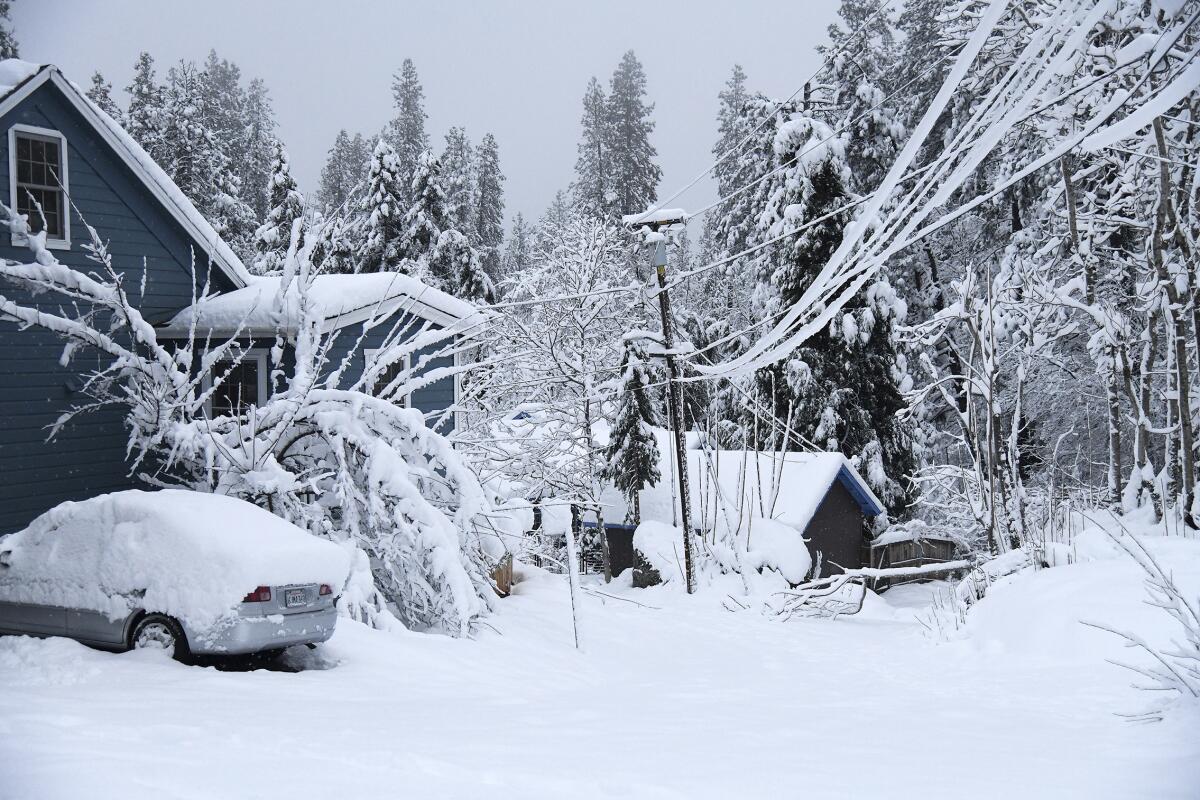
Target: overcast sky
{"x":517,"y":69}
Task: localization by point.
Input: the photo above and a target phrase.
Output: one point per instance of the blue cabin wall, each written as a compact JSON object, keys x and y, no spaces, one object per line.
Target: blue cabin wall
{"x":88,"y":456}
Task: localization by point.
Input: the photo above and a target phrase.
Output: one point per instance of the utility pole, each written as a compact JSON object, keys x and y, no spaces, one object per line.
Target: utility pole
{"x":655,"y":223}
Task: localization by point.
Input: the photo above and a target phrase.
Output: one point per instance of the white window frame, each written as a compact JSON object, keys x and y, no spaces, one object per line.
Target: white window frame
{"x":260,"y":355}
{"x":370,"y":354}
{"x":45,"y":133}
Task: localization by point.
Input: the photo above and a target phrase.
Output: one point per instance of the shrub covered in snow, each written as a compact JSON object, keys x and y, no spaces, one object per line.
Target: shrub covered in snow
{"x":188,"y":554}
{"x":331,"y":454}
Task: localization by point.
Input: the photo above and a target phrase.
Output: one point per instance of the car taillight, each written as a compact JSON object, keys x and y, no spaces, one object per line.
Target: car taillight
{"x":260,"y":595}
{"x":326,"y":589}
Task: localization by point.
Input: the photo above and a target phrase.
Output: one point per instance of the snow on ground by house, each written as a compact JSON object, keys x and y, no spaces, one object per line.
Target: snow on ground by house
{"x":673,"y":698}
{"x":338,"y":299}
{"x":195,"y":555}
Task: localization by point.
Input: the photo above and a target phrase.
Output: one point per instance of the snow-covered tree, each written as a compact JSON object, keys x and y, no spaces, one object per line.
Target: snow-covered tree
{"x":258,"y":149}
{"x":144,"y":118}
{"x":593,"y":187}
{"x":635,"y":175}
{"x":489,"y":212}
{"x":100,"y":93}
{"x":188,"y":151}
{"x":8,"y":39}
{"x":459,"y":180}
{"x":519,"y":250}
{"x":271,"y":240}
{"x":632,"y":457}
{"x":425,"y":219}
{"x":382,"y":210}
{"x":406,"y":132}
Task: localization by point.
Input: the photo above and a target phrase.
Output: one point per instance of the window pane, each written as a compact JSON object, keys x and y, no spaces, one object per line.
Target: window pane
{"x":239,"y":389}
{"x":24,"y":171}
{"x":22,"y":148}
{"x":37,"y":150}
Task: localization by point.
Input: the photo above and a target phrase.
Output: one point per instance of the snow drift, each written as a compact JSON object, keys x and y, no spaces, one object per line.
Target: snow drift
{"x":194,"y":555}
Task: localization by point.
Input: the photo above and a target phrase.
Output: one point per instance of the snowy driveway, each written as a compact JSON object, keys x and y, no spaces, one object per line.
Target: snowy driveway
{"x":683,"y":701}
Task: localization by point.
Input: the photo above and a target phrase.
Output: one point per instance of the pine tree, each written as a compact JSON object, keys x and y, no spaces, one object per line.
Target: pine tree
{"x":872,"y":126}
{"x":489,"y":212}
{"x":222,"y":106}
{"x":100,"y":93}
{"x":459,"y":181}
{"x":730,"y":131}
{"x":425,"y":220}
{"x":273,"y":237}
{"x":346,"y":170}
{"x":406,"y":132}
{"x":632,"y":454}
{"x":231,"y":217}
{"x":592,"y":189}
{"x":635,"y":176}
{"x":8,"y":39}
{"x":518,"y":253}
{"x":189,"y":152}
{"x":258,"y":149}
{"x":144,"y":119}
{"x":839,"y":388}
{"x":456,"y":266}
{"x":382,"y":211}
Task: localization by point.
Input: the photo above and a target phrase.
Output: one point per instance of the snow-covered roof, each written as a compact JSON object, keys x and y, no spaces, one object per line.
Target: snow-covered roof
{"x":728,"y":486}
{"x":18,"y":79}
{"x":341,"y":300}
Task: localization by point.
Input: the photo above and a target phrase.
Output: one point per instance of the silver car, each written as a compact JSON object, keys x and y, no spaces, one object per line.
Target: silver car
{"x":269,"y":619}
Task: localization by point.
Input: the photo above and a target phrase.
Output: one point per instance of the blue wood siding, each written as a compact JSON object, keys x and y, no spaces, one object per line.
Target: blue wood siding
{"x":88,"y":456}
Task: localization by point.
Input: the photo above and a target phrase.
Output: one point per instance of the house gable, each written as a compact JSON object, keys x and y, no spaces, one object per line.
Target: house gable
{"x":144,"y":236}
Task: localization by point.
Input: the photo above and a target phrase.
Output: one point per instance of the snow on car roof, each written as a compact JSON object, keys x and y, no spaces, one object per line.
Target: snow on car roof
{"x":340,"y":300}
{"x":18,"y":78}
{"x":192,"y":555}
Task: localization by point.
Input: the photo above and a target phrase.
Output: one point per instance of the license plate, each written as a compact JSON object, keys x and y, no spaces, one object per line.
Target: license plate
{"x":295,"y":597}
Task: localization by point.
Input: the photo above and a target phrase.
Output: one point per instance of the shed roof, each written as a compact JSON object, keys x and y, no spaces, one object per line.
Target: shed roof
{"x":19,"y":79}
{"x":731,"y":486}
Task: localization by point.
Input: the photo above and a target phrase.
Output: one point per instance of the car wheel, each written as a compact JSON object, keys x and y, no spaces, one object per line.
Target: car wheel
{"x":159,"y":632}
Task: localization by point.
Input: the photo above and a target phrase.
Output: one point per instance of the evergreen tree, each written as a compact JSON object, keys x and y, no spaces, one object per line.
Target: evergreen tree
{"x":459,"y":181}
{"x":144,"y":118}
{"x":632,"y":453}
{"x":592,"y":189}
{"x":188,"y":151}
{"x":100,"y":93}
{"x":406,"y":132}
{"x":872,"y":128}
{"x":231,"y":217}
{"x":518,"y":253}
{"x":425,"y":220}
{"x":222,"y":106}
{"x":635,"y":176}
{"x":730,"y":131}
{"x":838,"y":389}
{"x":346,"y":169}
{"x":382,"y":212}
{"x":258,"y":149}
{"x":8,"y":39}
{"x":489,"y":212}
{"x":273,"y":237}
{"x":456,"y":266}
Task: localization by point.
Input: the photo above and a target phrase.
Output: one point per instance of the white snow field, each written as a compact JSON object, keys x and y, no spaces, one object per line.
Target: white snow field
{"x":683,"y":700}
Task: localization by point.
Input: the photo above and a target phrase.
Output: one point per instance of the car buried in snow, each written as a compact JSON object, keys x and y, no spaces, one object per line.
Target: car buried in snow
{"x":185,"y":572}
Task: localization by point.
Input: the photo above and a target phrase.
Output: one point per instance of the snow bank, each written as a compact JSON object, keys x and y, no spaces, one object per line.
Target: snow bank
{"x":339,"y":300}
{"x":194,"y":555}
{"x":774,"y":545}
{"x":662,"y":547}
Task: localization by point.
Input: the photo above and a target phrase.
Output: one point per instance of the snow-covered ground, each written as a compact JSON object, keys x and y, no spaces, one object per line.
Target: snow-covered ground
{"x":681,"y":700}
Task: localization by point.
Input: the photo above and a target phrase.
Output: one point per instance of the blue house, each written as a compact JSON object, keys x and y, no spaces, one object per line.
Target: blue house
{"x":62,"y":151}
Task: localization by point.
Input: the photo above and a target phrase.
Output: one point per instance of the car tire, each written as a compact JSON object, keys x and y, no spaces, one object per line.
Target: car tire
{"x":161,"y":632}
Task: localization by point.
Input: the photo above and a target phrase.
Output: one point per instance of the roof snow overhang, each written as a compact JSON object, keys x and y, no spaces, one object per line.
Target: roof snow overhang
{"x":156,"y":181}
